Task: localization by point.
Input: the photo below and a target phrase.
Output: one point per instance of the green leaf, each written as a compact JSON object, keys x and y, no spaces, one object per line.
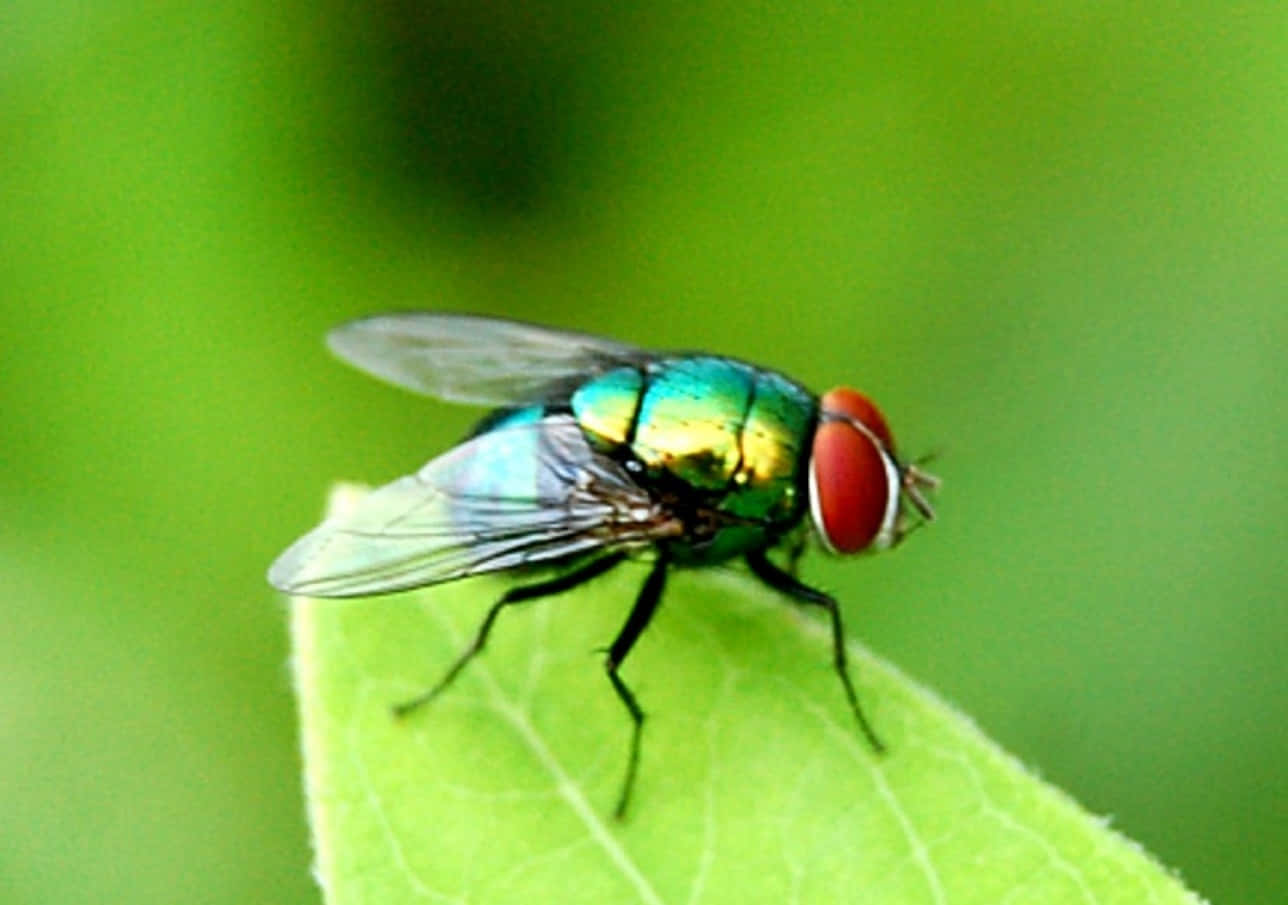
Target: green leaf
{"x":754,"y":784}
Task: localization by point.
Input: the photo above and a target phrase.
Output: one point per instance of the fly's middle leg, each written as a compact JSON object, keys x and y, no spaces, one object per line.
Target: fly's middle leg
{"x":642,"y":611}
{"x":556,"y":585}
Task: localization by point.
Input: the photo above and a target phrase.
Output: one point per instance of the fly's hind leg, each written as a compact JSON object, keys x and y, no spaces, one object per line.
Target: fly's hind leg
{"x":555,"y":585}
{"x":801,"y":593}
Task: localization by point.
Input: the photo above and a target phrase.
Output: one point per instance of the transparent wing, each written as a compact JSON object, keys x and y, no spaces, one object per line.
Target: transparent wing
{"x":525,"y":493}
{"x":483,"y":360}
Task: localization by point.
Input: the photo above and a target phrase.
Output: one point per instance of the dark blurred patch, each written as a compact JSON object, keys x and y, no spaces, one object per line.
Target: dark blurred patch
{"x":484,"y":105}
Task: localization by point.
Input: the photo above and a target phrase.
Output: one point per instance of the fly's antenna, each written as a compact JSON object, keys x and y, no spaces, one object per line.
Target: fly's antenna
{"x":914,"y":481}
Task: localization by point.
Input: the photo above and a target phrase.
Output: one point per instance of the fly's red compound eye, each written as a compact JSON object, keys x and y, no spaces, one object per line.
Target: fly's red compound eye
{"x":850,"y":403}
{"x":854,"y":482}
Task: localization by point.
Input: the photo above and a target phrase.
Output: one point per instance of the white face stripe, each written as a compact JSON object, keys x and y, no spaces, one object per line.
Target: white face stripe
{"x":885,"y":537}
{"x":885,"y":534}
{"x":816,"y":510}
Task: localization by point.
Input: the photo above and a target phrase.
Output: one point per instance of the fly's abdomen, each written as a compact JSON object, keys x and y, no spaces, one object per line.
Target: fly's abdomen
{"x":606,"y":407}
{"x":511,"y":462}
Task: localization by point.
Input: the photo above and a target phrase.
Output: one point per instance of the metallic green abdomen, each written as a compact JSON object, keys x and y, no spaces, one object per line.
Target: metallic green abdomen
{"x":725,"y":440}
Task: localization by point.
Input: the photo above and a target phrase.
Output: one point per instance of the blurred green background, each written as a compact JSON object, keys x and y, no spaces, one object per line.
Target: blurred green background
{"x":1050,"y":238}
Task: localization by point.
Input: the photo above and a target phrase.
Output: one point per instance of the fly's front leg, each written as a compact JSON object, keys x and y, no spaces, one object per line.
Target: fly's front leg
{"x":795,"y":547}
{"x":555,"y":585}
{"x":787,"y":584}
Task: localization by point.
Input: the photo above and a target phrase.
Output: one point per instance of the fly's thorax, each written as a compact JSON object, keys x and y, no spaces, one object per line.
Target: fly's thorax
{"x":721,"y":440}
{"x":768,"y":481}
{"x":690,"y":420}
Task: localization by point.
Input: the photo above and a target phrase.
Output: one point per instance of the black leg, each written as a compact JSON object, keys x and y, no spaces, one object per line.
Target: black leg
{"x":554,"y":585}
{"x":787,"y":584}
{"x":645,"y":605}
{"x":795,"y":550}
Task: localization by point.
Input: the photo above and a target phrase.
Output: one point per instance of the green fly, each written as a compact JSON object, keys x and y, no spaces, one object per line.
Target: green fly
{"x":597,"y":451}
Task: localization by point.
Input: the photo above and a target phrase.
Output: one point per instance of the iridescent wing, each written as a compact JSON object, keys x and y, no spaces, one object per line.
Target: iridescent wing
{"x":482,"y":360}
{"x":525,"y":493}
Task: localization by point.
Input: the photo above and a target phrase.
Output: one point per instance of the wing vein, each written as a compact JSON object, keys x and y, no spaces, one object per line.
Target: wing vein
{"x":524,"y":493}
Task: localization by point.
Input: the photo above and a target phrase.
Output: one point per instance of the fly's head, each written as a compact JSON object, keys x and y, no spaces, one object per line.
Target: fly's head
{"x":861,"y":496}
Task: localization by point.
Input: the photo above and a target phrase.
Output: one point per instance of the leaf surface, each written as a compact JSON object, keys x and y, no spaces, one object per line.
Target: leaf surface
{"x":754,"y":784}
